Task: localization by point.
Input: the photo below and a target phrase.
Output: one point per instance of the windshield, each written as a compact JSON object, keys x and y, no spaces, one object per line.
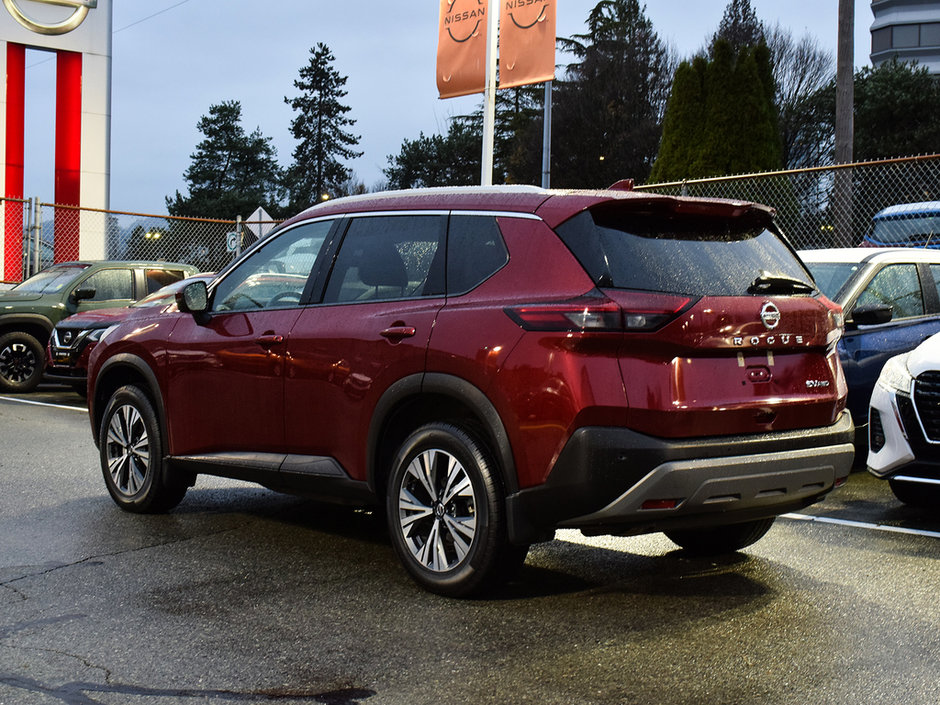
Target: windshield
{"x":162,"y":296}
{"x":683,"y":254}
{"x":831,"y":276}
{"x":51,"y":280}
{"x":904,"y":229}
{"x":166,"y":295}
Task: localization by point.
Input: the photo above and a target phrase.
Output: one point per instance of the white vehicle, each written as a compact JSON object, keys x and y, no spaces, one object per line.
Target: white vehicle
{"x":904,"y":425}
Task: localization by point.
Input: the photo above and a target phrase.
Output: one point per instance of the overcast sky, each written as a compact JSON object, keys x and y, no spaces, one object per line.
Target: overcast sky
{"x":172,"y":59}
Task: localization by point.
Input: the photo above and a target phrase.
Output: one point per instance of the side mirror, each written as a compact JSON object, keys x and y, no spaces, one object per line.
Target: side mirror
{"x":872,"y":315}
{"x":82,"y":294}
{"x":193,"y":298}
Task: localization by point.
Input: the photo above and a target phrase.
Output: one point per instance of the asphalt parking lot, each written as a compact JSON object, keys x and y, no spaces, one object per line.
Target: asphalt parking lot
{"x":243,"y":595}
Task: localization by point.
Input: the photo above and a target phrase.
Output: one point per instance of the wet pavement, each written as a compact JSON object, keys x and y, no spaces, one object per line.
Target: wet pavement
{"x":243,"y":595}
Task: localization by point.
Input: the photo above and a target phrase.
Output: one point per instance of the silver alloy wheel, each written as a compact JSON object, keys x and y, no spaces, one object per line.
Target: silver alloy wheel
{"x":437,"y":510}
{"x":17,"y":363}
{"x":128,"y":450}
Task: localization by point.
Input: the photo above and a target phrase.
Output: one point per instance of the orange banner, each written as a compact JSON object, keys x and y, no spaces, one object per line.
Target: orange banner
{"x":526,"y":42}
{"x":461,"y":48}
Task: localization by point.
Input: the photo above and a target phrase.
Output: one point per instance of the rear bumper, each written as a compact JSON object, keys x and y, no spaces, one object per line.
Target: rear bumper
{"x":617,"y":481}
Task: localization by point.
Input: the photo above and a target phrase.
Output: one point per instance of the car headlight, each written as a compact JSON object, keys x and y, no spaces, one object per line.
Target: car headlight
{"x":96,"y":334}
{"x":100,"y":334}
{"x":895,"y":376}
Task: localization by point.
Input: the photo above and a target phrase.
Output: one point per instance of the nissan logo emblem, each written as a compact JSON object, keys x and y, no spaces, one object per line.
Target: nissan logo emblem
{"x":78,"y":11}
{"x":769,"y":315}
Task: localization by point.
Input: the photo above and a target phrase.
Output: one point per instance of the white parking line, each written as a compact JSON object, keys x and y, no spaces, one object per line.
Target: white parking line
{"x":864,"y":525}
{"x":44,"y":403}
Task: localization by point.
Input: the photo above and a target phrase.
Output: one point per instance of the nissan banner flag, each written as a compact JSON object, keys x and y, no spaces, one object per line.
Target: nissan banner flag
{"x":461,"y":48}
{"x":526,"y":42}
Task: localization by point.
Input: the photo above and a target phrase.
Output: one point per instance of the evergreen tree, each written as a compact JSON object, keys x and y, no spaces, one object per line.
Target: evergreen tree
{"x":682,"y":125}
{"x":896,"y":108}
{"x":739,"y":27}
{"x":722,"y":116}
{"x":320,"y":130}
{"x":451,"y":160}
{"x":518,"y":110}
{"x":612,"y":98}
{"x":231,"y":172}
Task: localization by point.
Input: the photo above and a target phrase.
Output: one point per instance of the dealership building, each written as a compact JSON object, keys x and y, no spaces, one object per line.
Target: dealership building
{"x":908,"y":30}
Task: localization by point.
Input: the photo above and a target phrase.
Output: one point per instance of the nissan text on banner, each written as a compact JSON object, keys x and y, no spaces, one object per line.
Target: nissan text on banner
{"x":526,"y":42}
{"x":461,"y":48}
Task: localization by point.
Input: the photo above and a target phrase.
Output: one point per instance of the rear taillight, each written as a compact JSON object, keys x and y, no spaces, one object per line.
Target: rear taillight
{"x":645,"y":311}
{"x":836,"y":322}
{"x":633,"y":311}
{"x":581,"y":315}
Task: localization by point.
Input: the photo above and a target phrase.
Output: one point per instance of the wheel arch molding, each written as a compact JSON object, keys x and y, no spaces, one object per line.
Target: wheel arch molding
{"x":118,"y":371}
{"x":31,"y":323}
{"x":423,"y":398}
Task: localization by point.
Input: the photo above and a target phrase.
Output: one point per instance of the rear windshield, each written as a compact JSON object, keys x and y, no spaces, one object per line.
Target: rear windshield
{"x":907,"y":229}
{"x":680,"y":254}
{"x":51,"y":280}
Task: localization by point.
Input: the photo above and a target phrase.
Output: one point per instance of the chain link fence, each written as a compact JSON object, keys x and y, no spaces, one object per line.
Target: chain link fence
{"x":52,"y":233}
{"x":837,"y":206}
{"x":820,"y":207}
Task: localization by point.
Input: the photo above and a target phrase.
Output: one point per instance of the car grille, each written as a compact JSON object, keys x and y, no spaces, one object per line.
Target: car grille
{"x":927,"y":403}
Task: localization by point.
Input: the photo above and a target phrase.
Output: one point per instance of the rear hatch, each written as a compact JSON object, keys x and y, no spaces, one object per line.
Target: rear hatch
{"x":725,"y":332}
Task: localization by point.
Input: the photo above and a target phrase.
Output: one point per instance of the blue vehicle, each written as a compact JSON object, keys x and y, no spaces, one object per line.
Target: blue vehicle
{"x":906,"y":225}
{"x":891,"y":302}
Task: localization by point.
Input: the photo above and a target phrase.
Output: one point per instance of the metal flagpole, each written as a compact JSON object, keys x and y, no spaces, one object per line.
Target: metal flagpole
{"x":489,"y":93}
{"x":547,"y":138}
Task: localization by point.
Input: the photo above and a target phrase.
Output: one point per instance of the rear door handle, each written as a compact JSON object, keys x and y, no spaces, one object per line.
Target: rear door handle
{"x":398,"y":333}
{"x":269,"y":340}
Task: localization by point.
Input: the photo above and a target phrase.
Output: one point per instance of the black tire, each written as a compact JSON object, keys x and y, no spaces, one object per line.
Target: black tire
{"x":131,"y":451}
{"x":715,"y":540}
{"x":444,"y":494}
{"x":915,"y":494}
{"x":22,"y":358}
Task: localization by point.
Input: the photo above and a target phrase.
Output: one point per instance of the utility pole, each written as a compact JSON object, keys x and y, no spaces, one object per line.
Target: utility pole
{"x":843,"y":234}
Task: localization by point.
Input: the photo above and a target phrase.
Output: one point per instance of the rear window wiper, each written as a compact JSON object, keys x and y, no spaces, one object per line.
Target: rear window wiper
{"x":767,"y":283}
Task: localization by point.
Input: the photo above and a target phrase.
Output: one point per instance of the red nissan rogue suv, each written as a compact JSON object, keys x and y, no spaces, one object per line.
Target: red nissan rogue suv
{"x":491,"y":364}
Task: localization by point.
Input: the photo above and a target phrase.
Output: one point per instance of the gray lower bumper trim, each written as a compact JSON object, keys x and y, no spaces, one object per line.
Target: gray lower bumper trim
{"x":728,"y":484}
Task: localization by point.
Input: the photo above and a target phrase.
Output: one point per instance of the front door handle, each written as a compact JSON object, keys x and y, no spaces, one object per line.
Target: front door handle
{"x":398,"y":333}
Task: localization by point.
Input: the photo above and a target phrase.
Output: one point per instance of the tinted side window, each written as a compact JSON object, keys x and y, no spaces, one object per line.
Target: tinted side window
{"x":388,"y":257}
{"x":680,"y":254}
{"x":110,"y":284}
{"x":898,"y":286}
{"x":475,"y":251}
{"x":275,"y":275}
{"x":159,"y":278}
{"x":935,"y":272}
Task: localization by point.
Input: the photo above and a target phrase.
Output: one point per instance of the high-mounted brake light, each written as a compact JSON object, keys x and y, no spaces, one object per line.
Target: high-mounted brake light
{"x":632,"y":311}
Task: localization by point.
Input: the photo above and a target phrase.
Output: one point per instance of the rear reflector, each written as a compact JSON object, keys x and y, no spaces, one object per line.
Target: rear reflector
{"x":660,"y":504}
